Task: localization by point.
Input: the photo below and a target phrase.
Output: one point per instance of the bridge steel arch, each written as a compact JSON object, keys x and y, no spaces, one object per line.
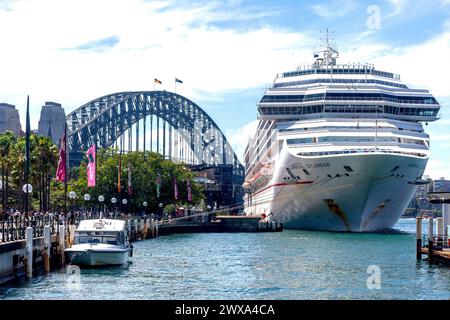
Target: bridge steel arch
{"x":104,"y":120}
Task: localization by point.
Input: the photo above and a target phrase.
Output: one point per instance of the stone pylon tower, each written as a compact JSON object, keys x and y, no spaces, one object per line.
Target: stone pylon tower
{"x":51,"y":122}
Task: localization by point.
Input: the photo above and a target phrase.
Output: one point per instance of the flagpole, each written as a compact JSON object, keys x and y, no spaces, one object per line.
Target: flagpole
{"x":175,"y":85}
{"x":27,"y":153}
{"x":67,"y":171}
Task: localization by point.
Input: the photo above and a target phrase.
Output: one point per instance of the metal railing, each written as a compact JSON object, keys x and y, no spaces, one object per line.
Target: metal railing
{"x":12,"y":228}
{"x":439,"y":242}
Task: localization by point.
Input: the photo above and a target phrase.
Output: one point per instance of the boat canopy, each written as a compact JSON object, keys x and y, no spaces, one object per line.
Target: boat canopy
{"x":102,"y":225}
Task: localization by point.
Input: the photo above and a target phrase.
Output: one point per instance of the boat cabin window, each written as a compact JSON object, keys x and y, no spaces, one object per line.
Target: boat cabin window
{"x":113,"y":238}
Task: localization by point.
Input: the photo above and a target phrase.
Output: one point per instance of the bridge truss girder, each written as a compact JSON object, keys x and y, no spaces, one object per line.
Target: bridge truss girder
{"x":104,"y":120}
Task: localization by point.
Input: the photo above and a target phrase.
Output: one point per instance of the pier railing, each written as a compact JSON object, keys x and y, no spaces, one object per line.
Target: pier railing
{"x":12,"y":228}
{"x":439,"y":242}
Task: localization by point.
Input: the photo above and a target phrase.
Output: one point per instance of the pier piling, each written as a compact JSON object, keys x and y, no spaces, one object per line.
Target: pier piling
{"x":430,"y":239}
{"x":47,"y":246}
{"x":62,"y":242}
{"x":29,"y":251}
{"x":419,"y":238}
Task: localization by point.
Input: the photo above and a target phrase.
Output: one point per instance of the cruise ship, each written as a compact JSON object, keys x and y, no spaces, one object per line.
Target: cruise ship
{"x":338,"y":147}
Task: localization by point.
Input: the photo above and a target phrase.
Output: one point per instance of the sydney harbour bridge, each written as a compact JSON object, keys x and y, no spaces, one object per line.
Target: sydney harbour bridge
{"x":158,"y":121}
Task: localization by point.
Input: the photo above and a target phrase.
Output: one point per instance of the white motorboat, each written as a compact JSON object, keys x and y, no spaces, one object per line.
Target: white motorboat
{"x":100,"y":242}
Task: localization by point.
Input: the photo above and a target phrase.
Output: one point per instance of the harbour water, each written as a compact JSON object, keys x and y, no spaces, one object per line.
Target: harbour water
{"x":287,"y":265}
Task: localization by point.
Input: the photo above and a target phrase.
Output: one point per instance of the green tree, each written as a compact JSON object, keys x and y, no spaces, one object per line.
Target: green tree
{"x":7,"y":140}
{"x":144,"y":173}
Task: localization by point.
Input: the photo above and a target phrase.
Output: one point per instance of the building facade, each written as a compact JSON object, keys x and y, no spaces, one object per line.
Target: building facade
{"x":419,"y":203}
{"x":52,"y":120}
{"x":9,"y":119}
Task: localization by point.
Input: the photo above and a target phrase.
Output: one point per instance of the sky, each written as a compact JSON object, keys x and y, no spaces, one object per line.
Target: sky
{"x":225,"y":52}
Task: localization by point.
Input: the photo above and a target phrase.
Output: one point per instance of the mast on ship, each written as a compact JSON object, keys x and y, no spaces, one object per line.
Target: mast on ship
{"x":326,"y":55}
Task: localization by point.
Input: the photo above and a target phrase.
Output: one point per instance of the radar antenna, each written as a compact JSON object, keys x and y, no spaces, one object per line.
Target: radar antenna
{"x":326,"y":54}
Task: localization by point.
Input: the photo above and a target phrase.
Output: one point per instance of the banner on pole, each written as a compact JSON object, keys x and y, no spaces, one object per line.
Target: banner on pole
{"x":91,"y":155}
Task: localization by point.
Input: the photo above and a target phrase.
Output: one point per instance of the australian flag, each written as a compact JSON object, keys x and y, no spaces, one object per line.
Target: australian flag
{"x":178,"y":80}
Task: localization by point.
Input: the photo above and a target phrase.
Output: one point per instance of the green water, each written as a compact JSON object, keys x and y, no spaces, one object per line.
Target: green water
{"x":288,"y":265}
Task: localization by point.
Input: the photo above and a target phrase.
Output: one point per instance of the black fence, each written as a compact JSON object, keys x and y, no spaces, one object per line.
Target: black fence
{"x":13,"y":228}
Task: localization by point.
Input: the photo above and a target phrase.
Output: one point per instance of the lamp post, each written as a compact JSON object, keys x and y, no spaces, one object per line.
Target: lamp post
{"x":113,"y":201}
{"x":101,"y":199}
{"x":27,"y":189}
{"x":3,"y":195}
{"x":124,"y":202}
{"x":160,"y":209}
{"x":145,"y":207}
{"x":72,"y":196}
{"x":86,"y":198}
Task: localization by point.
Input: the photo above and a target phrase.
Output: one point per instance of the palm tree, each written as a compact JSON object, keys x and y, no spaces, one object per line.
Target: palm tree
{"x":7,"y":140}
{"x":44,"y":157}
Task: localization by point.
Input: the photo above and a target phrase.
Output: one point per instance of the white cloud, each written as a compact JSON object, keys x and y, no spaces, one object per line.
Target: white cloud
{"x":179,"y":41}
{"x":238,"y":138}
{"x":422,"y":65}
{"x":333,"y":9}
{"x":437,"y":169}
{"x":399,"y":7}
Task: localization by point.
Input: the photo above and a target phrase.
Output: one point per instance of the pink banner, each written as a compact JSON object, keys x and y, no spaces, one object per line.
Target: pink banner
{"x":91,"y":154}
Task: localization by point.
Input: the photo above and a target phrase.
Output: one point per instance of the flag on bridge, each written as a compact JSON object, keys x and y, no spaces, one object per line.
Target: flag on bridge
{"x":61,"y":171}
{"x":91,"y":155}
{"x":178,"y":80}
{"x":158,"y":81}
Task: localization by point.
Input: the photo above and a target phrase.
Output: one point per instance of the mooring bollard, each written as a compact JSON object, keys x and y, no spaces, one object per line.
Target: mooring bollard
{"x":419,"y":238}
{"x":430,"y":239}
{"x":62,"y":242}
{"x":128,"y":224}
{"x":47,"y":246}
{"x":29,"y":251}
{"x":142,"y":225}
{"x":147,"y":228}
{"x":72,"y":228}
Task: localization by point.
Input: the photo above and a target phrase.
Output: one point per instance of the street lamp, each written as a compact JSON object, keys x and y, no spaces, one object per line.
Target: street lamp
{"x":160,"y":209}
{"x":124,"y":202}
{"x":145,"y":206}
{"x":86,"y":198}
{"x":27,"y":189}
{"x":113,"y":201}
{"x":101,"y":199}
{"x":72,"y":196}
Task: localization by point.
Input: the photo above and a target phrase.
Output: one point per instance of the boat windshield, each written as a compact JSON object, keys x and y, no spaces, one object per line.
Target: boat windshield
{"x":112,"y":239}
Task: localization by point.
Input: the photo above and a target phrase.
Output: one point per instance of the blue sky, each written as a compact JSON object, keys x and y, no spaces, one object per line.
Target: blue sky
{"x":226,"y":52}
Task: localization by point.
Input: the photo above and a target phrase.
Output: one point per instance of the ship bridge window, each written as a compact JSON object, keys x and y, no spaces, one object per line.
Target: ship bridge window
{"x":348,"y":168}
{"x":306,"y":172}
{"x":356,"y":139}
{"x":299,"y":141}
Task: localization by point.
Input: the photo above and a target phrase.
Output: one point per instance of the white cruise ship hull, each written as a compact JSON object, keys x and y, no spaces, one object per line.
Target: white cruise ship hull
{"x":370,"y":198}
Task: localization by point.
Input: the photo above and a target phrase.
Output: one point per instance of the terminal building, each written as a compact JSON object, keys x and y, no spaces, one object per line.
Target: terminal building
{"x":9,"y":119}
{"x":52,"y":120}
{"x":420,"y":204}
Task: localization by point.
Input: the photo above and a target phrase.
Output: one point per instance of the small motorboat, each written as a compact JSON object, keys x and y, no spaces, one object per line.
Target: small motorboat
{"x":100,"y":242}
